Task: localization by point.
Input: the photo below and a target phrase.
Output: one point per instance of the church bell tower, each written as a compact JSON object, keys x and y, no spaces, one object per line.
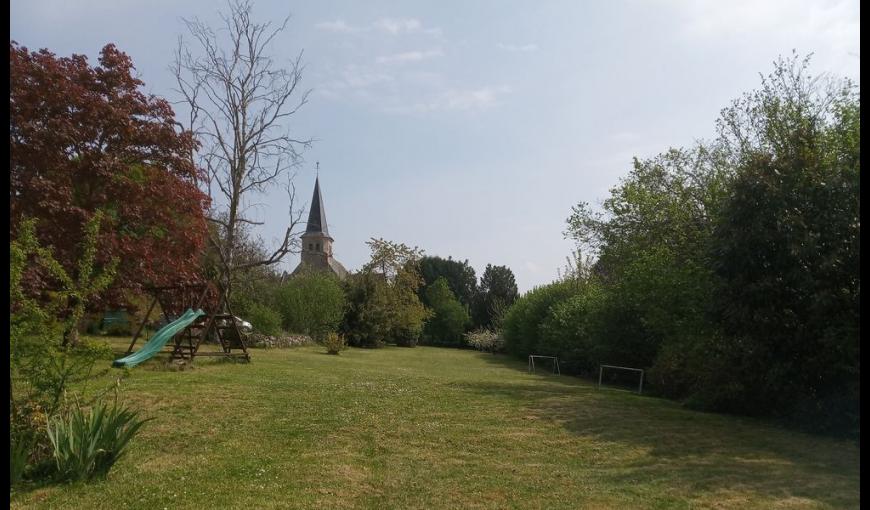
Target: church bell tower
{"x":316,"y":241}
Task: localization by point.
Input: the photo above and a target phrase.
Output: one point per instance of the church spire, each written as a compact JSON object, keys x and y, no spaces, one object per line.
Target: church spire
{"x":316,"y":243}
{"x":317,"y":213}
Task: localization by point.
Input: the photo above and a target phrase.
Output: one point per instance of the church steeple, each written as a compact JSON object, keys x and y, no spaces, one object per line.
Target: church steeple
{"x":316,"y":243}
{"x":317,"y":213}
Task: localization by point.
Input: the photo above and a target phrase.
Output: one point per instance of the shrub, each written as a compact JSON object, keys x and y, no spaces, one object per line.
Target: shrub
{"x":19,"y":451}
{"x":521,"y":326}
{"x":86,"y":446}
{"x":334,"y":343}
{"x":565,"y":332}
{"x":264,"y":319}
{"x":311,"y":303}
{"x":29,"y":443}
{"x":485,"y":340}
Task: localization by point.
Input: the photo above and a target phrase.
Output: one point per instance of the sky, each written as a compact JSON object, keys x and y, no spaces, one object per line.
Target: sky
{"x":470,"y":129}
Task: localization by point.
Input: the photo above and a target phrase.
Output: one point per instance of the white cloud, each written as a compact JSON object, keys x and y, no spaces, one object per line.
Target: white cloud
{"x":456,"y":100}
{"x":519,"y":47}
{"x":409,"y":56}
{"x":390,"y":26}
{"x":338,"y":26}
{"x":354,"y":79}
{"x":396,"y":26}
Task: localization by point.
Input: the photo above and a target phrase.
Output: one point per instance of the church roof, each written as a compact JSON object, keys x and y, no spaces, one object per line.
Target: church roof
{"x":317,"y":213}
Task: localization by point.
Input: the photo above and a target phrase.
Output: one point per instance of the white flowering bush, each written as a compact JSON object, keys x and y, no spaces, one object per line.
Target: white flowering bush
{"x":485,"y":340}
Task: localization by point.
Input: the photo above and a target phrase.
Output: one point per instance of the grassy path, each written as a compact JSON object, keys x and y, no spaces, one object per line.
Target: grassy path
{"x":441,"y":428}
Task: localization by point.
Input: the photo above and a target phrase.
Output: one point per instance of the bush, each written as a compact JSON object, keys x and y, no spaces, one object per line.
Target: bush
{"x":86,"y":446}
{"x":19,"y":451}
{"x":311,"y":303}
{"x":565,"y":332}
{"x":29,"y":443}
{"x":522,"y":322}
{"x":485,"y":340}
{"x":334,"y":343}
{"x":264,"y":319}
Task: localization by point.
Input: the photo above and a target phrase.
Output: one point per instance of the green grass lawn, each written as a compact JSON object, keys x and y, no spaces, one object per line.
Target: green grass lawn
{"x":441,"y":428}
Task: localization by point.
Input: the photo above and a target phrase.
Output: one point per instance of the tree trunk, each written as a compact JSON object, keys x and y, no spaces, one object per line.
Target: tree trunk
{"x":71,"y":332}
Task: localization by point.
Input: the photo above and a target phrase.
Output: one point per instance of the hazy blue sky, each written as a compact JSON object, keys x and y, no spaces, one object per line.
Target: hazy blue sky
{"x":471,"y":128}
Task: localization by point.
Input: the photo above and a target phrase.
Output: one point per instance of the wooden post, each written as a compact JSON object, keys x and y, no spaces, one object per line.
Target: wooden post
{"x":147,"y":315}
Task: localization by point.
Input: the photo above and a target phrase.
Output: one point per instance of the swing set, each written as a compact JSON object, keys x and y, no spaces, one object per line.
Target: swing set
{"x":194,"y":312}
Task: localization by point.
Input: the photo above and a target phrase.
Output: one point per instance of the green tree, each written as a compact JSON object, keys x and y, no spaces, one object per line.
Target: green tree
{"x":730,"y":269}
{"x":652,"y":240}
{"x":460,"y":278}
{"x":312,"y":302}
{"x":383,"y":302}
{"x":449,"y":318}
{"x":786,"y":251}
{"x":365,"y":322}
{"x":76,"y":289}
{"x":496,"y":293}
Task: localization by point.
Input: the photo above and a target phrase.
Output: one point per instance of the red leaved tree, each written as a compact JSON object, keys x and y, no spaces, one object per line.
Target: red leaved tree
{"x":86,"y":138}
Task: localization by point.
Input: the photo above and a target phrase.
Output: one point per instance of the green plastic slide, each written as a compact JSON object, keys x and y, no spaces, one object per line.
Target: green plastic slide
{"x":156,"y":343}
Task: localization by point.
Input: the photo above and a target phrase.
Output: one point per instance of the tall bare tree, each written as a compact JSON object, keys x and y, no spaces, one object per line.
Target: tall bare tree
{"x":240,"y":103}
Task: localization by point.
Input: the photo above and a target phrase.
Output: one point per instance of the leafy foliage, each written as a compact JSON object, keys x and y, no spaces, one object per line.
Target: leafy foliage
{"x":43,"y":366}
{"x":496,"y":293}
{"x":485,"y":340}
{"x":19,"y":451}
{"x":365,"y":323}
{"x":334,"y":343}
{"x":522,"y":323}
{"x":264,"y":319}
{"x":459,"y":275}
{"x":312,"y":303}
{"x":786,"y":251}
{"x":729,"y":270}
{"x":383,"y":305}
{"x":85,"y":139}
{"x":46,"y":367}
{"x":449,"y":318}
{"x":86,"y":446}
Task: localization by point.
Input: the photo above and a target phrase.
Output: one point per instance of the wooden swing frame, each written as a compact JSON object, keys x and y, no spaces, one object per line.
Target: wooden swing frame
{"x":186,"y":343}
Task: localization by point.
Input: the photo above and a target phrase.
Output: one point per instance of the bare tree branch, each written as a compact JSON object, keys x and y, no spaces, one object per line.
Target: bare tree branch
{"x":240,"y":102}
